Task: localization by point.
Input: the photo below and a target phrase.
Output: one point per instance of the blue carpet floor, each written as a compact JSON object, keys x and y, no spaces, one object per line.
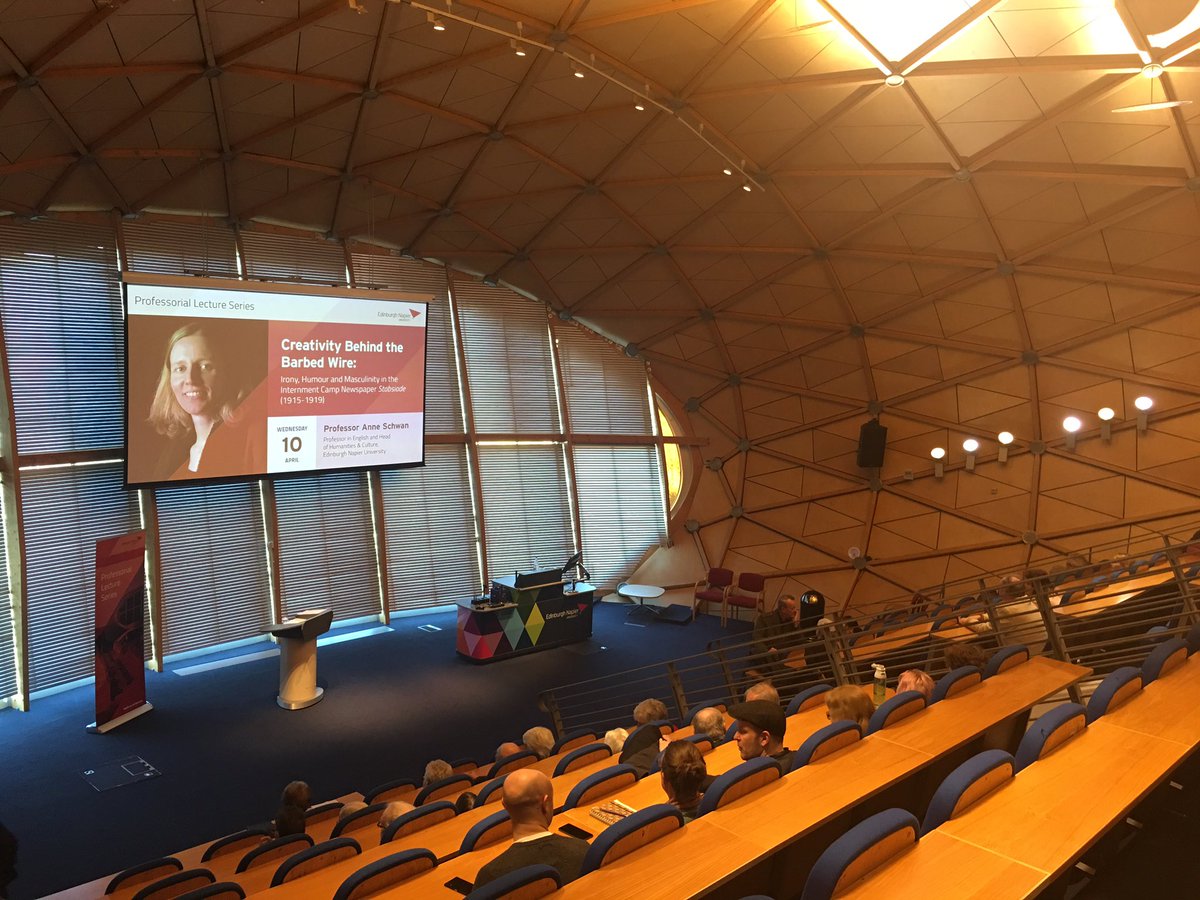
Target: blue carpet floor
{"x":393,"y":702}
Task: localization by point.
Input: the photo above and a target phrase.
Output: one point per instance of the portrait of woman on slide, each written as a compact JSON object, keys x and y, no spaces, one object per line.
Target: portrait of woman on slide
{"x":204,"y":410}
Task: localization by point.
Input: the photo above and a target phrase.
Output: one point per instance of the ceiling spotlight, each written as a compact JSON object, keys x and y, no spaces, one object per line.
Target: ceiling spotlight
{"x":438,"y":24}
{"x":516,"y":48}
{"x":938,"y":452}
{"x":894,"y":80}
{"x":1071,"y":424}
{"x":970,"y":445}
{"x":1143,"y":403}
{"x":1005,"y":437}
{"x":640,"y":106}
{"x":1152,"y":70}
{"x":746,"y":186}
{"x":575,"y":70}
{"x":727,"y":170}
{"x":1106,"y":413}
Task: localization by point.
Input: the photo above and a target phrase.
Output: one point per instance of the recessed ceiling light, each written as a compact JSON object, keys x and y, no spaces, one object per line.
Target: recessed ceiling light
{"x":894,"y":80}
{"x":1143,"y":403}
{"x":1071,"y":424}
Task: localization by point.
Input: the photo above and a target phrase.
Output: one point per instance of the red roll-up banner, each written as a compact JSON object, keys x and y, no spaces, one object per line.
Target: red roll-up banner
{"x":120,"y":626}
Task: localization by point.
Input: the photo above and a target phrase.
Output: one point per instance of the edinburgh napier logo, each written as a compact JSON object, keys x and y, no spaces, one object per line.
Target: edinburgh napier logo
{"x":564,"y":614}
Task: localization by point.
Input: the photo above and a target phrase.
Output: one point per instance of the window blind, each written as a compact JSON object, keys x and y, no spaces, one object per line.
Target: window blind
{"x":443,"y":406}
{"x":620,"y":509}
{"x":214,"y":565}
{"x":605,"y":390}
{"x":433,"y":553}
{"x":66,"y":510}
{"x":61,"y":303}
{"x":180,"y":247}
{"x":326,"y":549}
{"x":507,"y":343}
{"x":293,"y":257}
{"x":527,"y":510}
{"x":8,"y":658}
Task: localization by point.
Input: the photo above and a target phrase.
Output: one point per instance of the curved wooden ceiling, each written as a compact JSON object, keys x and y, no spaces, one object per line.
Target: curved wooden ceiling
{"x":985,"y":246}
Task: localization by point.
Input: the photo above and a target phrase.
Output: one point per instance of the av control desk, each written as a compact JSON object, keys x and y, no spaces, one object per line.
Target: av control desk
{"x":530,"y":618}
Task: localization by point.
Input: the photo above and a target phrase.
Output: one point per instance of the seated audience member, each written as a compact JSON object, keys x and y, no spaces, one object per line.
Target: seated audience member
{"x":916,"y":680}
{"x":436,"y":771}
{"x":760,"y":730}
{"x":539,"y":740}
{"x":649,"y":711}
{"x":508,"y":748}
{"x":763,"y":690}
{"x":958,"y":655}
{"x":849,"y":703}
{"x":774,"y":631}
{"x":1019,"y":617}
{"x":528,"y":796}
{"x":710,"y":723}
{"x":296,"y":794}
{"x":615,"y":738}
{"x":683,"y":773}
{"x":289,"y":820}
{"x":349,"y":809}
{"x":464,"y":802}
{"x":393,"y":811}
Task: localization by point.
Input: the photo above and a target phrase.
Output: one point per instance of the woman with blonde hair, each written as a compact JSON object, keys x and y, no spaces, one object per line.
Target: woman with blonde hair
{"x":849,"y":703}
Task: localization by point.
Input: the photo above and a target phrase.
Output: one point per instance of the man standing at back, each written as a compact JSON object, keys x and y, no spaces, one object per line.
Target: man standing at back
{"x":528,"y":797}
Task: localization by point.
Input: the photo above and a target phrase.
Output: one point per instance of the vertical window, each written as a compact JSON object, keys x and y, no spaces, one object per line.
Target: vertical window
{"x":214,"y":565}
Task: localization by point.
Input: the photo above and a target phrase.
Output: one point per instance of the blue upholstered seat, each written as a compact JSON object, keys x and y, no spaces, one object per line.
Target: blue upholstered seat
{"x":151,"y":870}
{"x":274,"y":849}
{"x":702,"y":741}
{"x":417,"y":819}
{"x":573,"y":740}
{"x":490,"y":792}
{"x":636,"y":830}
{"x":600,"y":783}
{"x":383,"y":873}
{"x":1163,"y":658}
{"x":321,"y":812}
{"x":582,"y":756}
{"x":974,"y":779}
{"x":495,"y":827}
{"x":1054,"y":728}
{"x":731,"y":730}
{"x":1114,"y":690}
{"x":359,"y":819}
{"x":825,"y":742}
{"x":737,"y":782}
{"x":864,"y":847}
{"x":955,"y":681}
{"x":445,"y":786}
{"x":1192,"y":639}
{"x":1005,"y":658}
{"x":326,"y":853}
{"x":175,"y":884}
{"x":899,"y":707}
{"x":238,"y":842}
{"x":512,"y":762}
{"x":808,"y":698}
{"x":400,"y":789}
{"x":527,"y":882}
{"x":218,"y":890}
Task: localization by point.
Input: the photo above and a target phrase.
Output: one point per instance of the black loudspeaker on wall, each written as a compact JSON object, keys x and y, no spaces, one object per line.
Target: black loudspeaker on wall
{"x":872,"y":441}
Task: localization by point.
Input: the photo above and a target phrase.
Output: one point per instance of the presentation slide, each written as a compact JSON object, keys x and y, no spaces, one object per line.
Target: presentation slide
{"x":230,"y":380}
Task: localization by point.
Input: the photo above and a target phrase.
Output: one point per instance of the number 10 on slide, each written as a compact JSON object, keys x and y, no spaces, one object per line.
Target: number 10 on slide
{"x":291,"y":443}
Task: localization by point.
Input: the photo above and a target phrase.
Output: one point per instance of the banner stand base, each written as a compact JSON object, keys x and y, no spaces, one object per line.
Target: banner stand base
{"x":120,"y":720}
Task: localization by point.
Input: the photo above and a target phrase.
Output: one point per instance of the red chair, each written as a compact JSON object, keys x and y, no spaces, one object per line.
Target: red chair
{"x":749,"y":595}
{"x":712,"y":589}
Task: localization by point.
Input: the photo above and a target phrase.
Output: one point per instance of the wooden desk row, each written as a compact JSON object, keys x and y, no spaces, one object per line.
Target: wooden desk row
{"x":1020,"y":838}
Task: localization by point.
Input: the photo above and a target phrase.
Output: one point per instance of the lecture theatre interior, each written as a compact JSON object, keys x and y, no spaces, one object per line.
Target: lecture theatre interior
{"x":763,"y":456}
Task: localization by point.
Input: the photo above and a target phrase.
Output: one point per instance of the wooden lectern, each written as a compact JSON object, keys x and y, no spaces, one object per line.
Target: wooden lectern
{"x":298,"y":657}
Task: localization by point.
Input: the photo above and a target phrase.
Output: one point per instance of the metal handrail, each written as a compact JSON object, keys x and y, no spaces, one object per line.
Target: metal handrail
{"x":1105,"y":626}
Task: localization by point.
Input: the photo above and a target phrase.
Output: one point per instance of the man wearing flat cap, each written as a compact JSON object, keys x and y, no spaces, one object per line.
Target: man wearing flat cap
{"x":759,"y":731}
